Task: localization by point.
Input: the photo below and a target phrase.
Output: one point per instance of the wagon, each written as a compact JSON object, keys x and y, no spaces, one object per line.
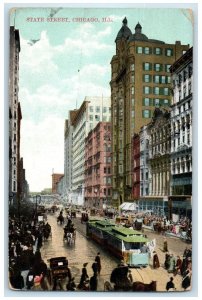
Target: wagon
{"x":84,"y":217}
{"x":58,"y":268}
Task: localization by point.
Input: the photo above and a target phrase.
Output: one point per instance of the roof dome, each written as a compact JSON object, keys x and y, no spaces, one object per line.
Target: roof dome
{"x":125,"y":31}
{"x":138,"y":26}
{"x":138,"y":35}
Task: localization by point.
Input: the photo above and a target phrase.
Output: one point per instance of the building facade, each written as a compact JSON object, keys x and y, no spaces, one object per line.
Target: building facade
{"x":14,"y":117}
{"x":68,"y":137}
{"x":136,"y":167}
{"x":140,"y":81}
{"x":144,"y":161}
{"x":60,"y":186}
{"x":92,"y":111}
{"x":98,"y":167}
{"x":55,"y":179}
{"x":181,"y":134}
{"x":159,"y":162}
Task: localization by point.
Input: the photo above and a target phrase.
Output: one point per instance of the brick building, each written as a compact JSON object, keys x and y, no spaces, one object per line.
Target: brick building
{"x":140,"y":81}
{"x":55,"y":179}
{"x":98,"y":167}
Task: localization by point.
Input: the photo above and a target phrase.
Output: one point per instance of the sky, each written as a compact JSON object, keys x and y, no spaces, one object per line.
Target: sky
{"x":68,"y":61}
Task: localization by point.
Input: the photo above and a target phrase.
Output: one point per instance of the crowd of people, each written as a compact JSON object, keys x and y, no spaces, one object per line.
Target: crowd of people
{"x":28,"y":271}
{"x":26,"y":238}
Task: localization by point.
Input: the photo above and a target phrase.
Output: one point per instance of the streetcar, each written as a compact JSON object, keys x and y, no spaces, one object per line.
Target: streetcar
{"x":124,"y":243}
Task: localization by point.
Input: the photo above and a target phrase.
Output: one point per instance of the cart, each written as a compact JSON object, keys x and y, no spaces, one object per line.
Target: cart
{"x":58,"y":268}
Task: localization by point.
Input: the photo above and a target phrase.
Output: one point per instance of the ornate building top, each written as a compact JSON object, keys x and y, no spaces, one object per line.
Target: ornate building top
{"x":124,"y":32}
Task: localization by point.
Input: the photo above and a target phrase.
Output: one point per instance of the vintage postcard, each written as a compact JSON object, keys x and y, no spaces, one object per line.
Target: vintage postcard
{"x":100,"y":149}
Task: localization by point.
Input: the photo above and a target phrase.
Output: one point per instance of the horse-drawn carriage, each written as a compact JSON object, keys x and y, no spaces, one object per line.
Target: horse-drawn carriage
{"x":69,"y":233}
{"x":119,"y":277}
{"x":59,"y":268}
{"x":138,"y":224}
{"x":84,"y":217}
{"x":60,"y":218}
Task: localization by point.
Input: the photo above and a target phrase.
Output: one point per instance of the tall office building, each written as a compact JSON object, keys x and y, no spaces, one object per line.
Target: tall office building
{"x":181,"y":135}
{"x":140,"y":81}
{"x":92,"y":111}
{"x":14,"y":117}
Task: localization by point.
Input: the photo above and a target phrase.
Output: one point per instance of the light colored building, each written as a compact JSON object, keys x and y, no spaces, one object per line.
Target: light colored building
{"x":98,"y":167}
{"x":144,"y":157}
{"x":60,"y":186}
{"x":181,"y":134}
{"x":155,"y":165}
{"x":91,"y":112}
{"x":140,"y":81}
{"x":68,"y":137}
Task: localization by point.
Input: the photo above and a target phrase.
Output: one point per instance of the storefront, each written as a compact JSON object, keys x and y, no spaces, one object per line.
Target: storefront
{"x":155,"y":205}
{"x":181,"y":206}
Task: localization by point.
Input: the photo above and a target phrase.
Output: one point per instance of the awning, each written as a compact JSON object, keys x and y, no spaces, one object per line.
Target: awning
{"x":128,"y":206}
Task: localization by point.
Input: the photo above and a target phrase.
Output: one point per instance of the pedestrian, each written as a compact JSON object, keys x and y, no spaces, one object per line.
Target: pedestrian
{"x":170,"y":285}
{"x":71,"y":286}
{"x":178,"y":266}
{"x":98,"y":260}
{"x":37,"y":283}
{"x":84,"y":277}
{"x":167,"y":261}
{"x":93,"y":282}
{"x":156,"y":263}
{"x":16,"y":280}
{"x":171,"y":268}
{"x":165,"y":245}
{"x":186,"y":280}
{"x":95,"y":267}
{"x":30,"y":279}
{"x":130,"y":276}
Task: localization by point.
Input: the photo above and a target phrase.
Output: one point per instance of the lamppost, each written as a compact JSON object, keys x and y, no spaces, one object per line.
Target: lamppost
{"x":37,"y":196}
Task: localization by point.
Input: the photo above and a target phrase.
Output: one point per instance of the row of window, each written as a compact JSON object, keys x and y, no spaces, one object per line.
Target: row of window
{"x":155,"y":102}
{"x":147,"y":66}
{"x":147,"y":113}
{"x":155,"y":90}
{"x":156,"y":78}
{"x":97,"y":119}
{"x":99,"y":109}
{"x":156,"y":51}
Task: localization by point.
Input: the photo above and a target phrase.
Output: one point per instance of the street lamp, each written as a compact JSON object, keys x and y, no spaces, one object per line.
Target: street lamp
{"x":37,"y":196}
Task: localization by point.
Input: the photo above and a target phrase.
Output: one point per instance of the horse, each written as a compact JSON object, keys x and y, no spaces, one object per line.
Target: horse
{"x":136,"y":286}
{"x":60,"y":219}
{"x":139,"y":286}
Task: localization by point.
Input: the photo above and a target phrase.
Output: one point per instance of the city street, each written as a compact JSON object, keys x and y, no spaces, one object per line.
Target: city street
{"x":85,"y":250}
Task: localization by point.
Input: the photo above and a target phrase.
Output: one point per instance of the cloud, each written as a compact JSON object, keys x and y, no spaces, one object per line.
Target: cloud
{"x":42,"y":149}
{"x":39,"y":57}
{"x":50,"y":86}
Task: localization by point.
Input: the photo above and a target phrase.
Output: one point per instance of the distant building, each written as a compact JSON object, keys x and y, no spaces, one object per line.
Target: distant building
{"x":55,"y":179}
{"x":140,"y":81}
{"x":91,"y":112}
{"x":181,"y":134}
{"x":68,"y":140}
{"x":60,"y":186}
{"x":97,"y":178}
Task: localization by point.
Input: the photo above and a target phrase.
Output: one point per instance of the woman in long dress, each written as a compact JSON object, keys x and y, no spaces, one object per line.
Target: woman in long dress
{"x":156,"y":263}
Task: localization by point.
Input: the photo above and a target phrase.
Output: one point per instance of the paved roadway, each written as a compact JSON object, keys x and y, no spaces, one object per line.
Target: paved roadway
{"x":85,"y":250}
